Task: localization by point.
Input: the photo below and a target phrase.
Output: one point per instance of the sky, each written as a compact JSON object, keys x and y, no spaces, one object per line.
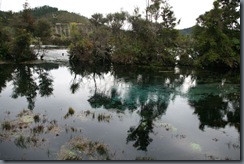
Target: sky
{"x":186,"y":10}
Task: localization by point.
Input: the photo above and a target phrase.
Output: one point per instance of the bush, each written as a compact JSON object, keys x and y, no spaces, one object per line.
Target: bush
{"x":21,"y":46}
{"x":4,"y":44}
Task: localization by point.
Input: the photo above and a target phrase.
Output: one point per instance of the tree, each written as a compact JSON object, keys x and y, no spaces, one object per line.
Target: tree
{"x":43,"y":29}
{"x":148,"y":41}
{"x":27,"y":20}
{"x":217,"y":35}
{"x":168,"y":17}
{"x":116,"y":20}
{"x":167,"y":32}
{"x":5,"y":44}
{"x":38,"y":12}
{"x":21,"y":46}
{"x":97,"y":19}
{"x":154,"y":10}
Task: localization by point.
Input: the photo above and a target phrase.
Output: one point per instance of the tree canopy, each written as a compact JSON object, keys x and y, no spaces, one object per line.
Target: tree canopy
{"x":149,"y":39}
{"x":217,"y":35}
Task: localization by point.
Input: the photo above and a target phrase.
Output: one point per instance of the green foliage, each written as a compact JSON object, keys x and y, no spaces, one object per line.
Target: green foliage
{"x":6,"y":18}
{"x":147,"y":42}
{"x":5,"y":44}
{"x":15,"y":48}
{"x":64,"y":17}
{"x":186,"y":31}
{"x":21,"y":46}
{"x":39,"y":22}
{"x":97,"y":19}
{"x":217,"y":36}
{"x":27,"y":21}
{"x":169,"y":20}
{"x":90,"y":44}
{"x":43,"y":29}
{"x":186,"y":51}
{"x":116,"y":20}
{"x":40,"y":11}
{"x":153,"y":40}
{"x":52,"y":14}
{"x":15,"y":41}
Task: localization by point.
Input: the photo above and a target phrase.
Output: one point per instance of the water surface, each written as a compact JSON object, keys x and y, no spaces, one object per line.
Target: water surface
{"x":138,"y":113}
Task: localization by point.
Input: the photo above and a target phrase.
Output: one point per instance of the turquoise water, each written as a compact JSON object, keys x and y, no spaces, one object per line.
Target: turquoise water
{"x":138,"y":113}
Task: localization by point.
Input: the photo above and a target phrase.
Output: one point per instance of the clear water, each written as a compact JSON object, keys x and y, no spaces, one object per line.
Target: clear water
{"x":159,"y":114}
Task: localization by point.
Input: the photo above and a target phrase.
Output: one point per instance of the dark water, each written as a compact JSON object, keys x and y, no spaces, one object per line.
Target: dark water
{"x":159,"y":114}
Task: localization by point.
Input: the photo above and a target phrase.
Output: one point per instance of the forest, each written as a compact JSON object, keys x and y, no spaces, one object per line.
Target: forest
{"x":149,"y":40}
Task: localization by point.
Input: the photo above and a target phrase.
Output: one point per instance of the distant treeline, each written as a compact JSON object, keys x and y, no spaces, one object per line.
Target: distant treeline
{"x":151,"y":39}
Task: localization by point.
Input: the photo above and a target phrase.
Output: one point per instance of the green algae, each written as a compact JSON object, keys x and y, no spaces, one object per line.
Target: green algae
{"x":196,"y":147}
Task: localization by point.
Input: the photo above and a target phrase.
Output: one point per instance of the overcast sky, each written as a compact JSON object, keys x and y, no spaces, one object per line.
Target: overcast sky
{"x":187,"y":10}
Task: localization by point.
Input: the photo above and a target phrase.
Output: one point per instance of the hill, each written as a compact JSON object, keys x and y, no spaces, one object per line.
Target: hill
{"x":55,"y":15}
{"x":52,"y":14}
{"x":186,"y":31}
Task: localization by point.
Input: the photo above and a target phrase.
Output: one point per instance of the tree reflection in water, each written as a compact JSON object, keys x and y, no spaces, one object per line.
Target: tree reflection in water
{"x":215,"y":97}
{"x":150,"y":91}
{"x":28,"y":80}
{"x":217,"y":103}
{"x":216,"y":112}
{"x":82,"y":70}
{"x":140,"y":134}
{"x":24,"y":85}
{"x":6,"y":71}
{"x":144,"y":92}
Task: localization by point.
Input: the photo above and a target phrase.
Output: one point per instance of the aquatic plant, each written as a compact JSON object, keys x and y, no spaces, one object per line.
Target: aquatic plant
{"x":27,"y":119}
{"x":144,"y":158}
{"x":38,"y":129}
{"x":180,"y":136}
{"x":101,"y":149}
{"x":80,"y":148}
{"x":71,"y":111}
{"x":69,"y":155}
{"x":6,"y":125}
{"x":36,"y":118}
{"x":88,"y":112}
{"x":167,"y":126}
{"x":20,"y":142}
{"x":22,"y":113}
{"x":104,"y":117}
